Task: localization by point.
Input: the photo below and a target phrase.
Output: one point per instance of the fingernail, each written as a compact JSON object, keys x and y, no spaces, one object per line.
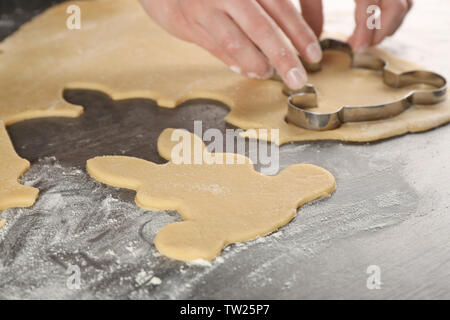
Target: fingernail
{"x":236,"y":69}
{"x":314,"y":52}
{"x":296,"y":78}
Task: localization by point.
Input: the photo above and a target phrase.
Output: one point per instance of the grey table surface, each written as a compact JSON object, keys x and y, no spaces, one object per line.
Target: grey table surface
{"x":391,"y":208}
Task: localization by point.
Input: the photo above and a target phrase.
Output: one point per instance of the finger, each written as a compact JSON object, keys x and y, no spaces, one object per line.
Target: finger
{"x":236,"y":44}
{"x":392,"y":15}
{"x":259,"y":27}
{"x":312,"y":12}
{"x":294,"y":26}
{"x":362,"y":36}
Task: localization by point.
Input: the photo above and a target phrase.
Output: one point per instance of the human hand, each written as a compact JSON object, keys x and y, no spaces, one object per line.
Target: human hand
{"x":248,"y":35}
{"x":392,"y":14}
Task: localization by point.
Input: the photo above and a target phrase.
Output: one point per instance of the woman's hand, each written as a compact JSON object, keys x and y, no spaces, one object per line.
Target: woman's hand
{"x":392,"y":14}
{"x":248,"y":34}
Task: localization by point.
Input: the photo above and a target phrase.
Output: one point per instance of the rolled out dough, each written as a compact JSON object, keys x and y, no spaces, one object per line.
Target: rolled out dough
{"x":219,"y":203}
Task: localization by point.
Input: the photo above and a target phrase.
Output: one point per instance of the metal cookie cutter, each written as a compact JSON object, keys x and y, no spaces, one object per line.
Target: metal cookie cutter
{"x":299,"y":102}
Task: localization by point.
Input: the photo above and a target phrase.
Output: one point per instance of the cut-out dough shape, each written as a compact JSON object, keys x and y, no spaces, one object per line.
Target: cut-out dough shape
{"x":13,"y":194}
{"x":120,"y":51}
{"x":219,"y":203}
